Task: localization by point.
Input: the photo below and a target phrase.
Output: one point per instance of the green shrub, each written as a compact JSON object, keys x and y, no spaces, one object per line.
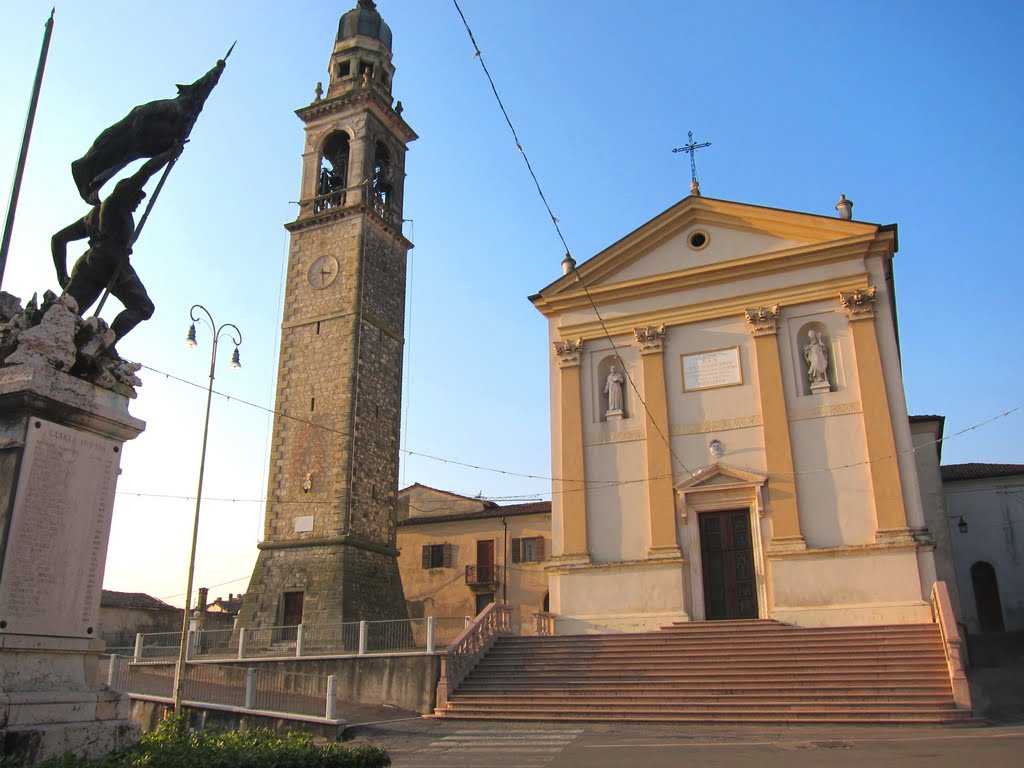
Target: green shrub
{"x":172,"y":745}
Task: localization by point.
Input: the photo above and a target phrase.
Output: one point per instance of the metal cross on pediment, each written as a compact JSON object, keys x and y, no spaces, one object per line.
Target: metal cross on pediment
{"x":691,"y":149}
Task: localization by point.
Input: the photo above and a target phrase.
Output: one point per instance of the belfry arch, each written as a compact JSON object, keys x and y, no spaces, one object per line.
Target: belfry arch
{"x":333,"y":171}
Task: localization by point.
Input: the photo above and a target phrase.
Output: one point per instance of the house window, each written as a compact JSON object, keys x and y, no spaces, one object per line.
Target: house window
{"x":437,"y":555}
{"x":530,"y":550}
{"x":344,"y":68}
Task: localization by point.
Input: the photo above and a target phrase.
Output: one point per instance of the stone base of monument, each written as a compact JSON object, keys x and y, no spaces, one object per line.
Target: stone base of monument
{"x":60,"y":448}
{"x":820,"y":387}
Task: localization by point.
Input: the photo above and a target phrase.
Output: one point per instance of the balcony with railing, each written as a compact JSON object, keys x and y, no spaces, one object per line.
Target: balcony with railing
{"x":483,"y":575}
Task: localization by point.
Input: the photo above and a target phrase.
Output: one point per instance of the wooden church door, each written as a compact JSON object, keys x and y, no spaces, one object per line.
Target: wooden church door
{"x":727,"y":565}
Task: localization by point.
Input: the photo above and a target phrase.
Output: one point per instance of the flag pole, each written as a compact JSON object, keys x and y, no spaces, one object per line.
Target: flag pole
{"x":5,"y":243}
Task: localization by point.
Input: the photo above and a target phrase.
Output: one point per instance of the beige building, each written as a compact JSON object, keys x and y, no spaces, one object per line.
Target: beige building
{"x":459,"y":554}
{"x":729,"y":429}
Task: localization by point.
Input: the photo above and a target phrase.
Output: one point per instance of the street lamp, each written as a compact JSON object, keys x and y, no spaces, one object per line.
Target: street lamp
{"x":235,"y":335}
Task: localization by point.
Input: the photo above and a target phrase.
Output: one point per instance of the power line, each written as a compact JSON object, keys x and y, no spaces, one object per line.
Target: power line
{"x":554,"y":220}
{"x":590,"y":484}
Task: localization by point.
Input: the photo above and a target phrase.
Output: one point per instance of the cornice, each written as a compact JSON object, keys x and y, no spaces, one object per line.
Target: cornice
{"x":359,"y":99}
{"x":342,"y":540}
{"x":732,"y":306}
{"x":333,"y":215}
{"x":746,"y":267}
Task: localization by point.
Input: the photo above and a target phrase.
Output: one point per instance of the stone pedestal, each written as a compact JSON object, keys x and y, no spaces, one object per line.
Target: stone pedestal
{"x":60,"y":450}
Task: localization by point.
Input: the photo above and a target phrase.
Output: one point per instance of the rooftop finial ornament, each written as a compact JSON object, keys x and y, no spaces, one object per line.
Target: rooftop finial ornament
{"x":691,"y":149}
{"x":845,"y":208}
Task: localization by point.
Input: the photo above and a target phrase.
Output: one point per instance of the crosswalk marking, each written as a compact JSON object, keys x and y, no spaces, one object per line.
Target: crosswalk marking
{"x":470,"y":748}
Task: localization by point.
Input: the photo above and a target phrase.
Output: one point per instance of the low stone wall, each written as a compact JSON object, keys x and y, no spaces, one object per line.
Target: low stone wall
{"x":149,"y":714}
{"x":408,"y":682}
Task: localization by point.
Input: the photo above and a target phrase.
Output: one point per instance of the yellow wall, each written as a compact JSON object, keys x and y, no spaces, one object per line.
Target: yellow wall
{"x":443,"y":591}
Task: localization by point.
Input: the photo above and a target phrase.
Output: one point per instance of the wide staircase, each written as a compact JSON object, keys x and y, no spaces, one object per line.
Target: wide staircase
{"x":727,"y":672}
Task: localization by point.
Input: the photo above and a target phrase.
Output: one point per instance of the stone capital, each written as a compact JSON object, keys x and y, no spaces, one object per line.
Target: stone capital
{"x":651,"y":339}
{"x":569,"y":353}
{"x":859,"y":304}
{"x":764,"y":321}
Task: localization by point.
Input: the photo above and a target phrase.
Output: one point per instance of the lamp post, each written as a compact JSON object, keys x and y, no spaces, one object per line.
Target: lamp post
{"x":235,"y":335}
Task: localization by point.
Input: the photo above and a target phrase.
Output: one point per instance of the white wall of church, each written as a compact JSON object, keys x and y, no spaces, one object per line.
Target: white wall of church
{"x":835,"y":504}
{"x":852,"y":587}
{"x":618,"y":525}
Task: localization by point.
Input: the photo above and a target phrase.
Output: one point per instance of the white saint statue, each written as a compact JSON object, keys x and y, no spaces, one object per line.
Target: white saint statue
{"x":816,"y":355}
{"x":613,"y":388}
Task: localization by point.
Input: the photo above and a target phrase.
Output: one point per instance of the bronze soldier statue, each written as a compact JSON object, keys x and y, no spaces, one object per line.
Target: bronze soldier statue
{"x":110,"y":228}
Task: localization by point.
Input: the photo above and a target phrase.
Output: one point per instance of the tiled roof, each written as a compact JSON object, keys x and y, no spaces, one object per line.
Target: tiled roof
{"x":138,"y":601}
{"x":953,"y":472}
{"x":512,"y":510}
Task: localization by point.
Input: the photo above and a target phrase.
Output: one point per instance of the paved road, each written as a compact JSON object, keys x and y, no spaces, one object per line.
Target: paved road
{"x":465,"y":744}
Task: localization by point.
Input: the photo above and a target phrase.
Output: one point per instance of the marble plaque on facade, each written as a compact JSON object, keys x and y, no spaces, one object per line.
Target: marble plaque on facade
{"x":57,"y":548}
{"x":714,"y":368}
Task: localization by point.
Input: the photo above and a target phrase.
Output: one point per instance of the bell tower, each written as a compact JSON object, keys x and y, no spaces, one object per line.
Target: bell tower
{"x":328,"y":552}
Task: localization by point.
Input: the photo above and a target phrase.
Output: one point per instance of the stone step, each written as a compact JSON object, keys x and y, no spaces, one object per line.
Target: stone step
{"x":697,"y":682}
{"x":921,"y":717}
{"x":669,"y":637}
{"x":805,"y":651}
{"x":634,"y":700}
{"x":758,"y":664}
{"x":578,"y":687}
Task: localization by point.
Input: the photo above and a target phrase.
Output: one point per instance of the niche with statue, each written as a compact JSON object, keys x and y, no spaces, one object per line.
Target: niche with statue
{"x":816,"y":358}
{"x":612,"y":389}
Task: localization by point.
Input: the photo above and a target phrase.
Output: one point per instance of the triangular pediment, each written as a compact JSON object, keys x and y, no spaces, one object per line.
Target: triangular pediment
{"x":719,"y":475}
{"x":736,"y":237}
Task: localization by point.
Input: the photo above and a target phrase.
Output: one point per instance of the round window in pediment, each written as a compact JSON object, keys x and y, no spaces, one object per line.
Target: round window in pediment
{"x":698,"y":239}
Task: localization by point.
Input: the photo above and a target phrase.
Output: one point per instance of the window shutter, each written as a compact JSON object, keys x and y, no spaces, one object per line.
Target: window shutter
{"x":426,"y":555}
{"x":540,"y":549}
{"x":516,"y":548}
{"x":447,"y":555}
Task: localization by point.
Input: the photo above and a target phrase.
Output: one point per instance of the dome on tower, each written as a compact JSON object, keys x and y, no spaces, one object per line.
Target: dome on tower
{"x":366,"y":21}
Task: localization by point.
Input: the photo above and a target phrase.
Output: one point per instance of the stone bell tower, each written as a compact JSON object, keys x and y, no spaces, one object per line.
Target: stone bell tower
{"x":328,"y":553}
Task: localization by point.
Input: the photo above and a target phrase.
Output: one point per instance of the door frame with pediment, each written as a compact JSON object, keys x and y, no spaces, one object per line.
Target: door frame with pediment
{"x":720,"y":488}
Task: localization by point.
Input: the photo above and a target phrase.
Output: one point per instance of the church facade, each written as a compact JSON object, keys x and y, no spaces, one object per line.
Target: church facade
{"x":730,"y":437}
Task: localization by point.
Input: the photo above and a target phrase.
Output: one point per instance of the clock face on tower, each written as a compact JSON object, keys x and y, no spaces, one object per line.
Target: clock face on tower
{"x":323,"y":272}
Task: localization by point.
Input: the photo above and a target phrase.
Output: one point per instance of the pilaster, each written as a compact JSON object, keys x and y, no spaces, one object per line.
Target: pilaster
{"x":778,"y":448}
{"x":886,"y":486}
{"x":571,"y":472}
{"x":657,"y":451}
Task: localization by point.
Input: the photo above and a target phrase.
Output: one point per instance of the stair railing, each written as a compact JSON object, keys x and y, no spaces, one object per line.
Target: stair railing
{"x":543,"y":623}
{"x":942,"y":614}
{"x":462,"y":655}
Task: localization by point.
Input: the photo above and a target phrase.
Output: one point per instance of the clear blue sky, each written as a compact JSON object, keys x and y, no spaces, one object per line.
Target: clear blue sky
{"x":911,"y":109}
